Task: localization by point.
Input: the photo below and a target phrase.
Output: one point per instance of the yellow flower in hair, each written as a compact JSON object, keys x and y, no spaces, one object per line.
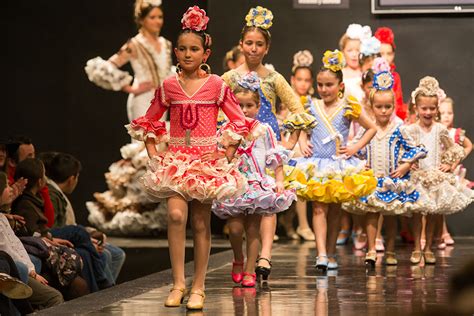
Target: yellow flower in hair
{"x":259,"y":17}
{"x":333,"y":60}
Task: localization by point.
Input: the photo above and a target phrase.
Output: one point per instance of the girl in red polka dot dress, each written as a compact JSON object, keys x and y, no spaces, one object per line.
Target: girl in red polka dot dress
{"x":192,"y":170}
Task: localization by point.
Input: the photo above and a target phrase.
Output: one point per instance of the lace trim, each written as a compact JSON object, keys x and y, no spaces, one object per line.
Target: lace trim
{"x":195,"y":141}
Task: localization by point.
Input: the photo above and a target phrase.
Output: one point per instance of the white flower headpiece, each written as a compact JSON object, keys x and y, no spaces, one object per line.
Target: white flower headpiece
{"x":303,"y":58}
{"x":155,"y":3}
{"x":359,"y":32}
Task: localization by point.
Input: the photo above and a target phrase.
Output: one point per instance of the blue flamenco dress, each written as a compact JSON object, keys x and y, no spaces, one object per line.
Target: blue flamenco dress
{"x":393,"y":196}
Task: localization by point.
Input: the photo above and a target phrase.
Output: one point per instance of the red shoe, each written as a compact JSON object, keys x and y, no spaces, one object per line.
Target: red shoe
{"x":249,"y":282}
{"x":407,"y":237}
{"x":237,"y":277}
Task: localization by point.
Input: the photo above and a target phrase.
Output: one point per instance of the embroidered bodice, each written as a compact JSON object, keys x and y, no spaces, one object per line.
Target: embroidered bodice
{"x":260,"y":154}
{"x":436,"y":141}
{"x":193,"y":119}
{"x":389,"y":148}
{"x":332,"y":130}
{"x":274,"y":85}
{"x":149,"y":65}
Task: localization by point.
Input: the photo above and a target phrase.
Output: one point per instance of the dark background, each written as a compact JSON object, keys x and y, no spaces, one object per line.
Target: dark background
{"x":49,"y":98}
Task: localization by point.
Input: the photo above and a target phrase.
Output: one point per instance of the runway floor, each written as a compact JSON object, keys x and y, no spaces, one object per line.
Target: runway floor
{"x":296,"y":288}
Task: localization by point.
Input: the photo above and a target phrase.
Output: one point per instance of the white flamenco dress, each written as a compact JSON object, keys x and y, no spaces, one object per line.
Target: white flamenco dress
{"x":124,"y":209}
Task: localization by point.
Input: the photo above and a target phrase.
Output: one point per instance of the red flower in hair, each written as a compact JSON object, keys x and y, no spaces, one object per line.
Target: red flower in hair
{"x":195,"y":19}
{"x":385,"y":36}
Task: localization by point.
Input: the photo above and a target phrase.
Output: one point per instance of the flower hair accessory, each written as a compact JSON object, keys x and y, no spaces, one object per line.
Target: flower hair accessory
{"x":333,"y":60}
{"x":250,"y":81}
{"x":370,"y":46}
{"x":195,"y":19}
{"x":383,"y":81}
{"x":380,"y":64}
{"x":359,"y":32}
{"x":303,"y":58}
{"x":428,"y":86}
{"x":259,"y":17}
{"x":155,"y":3}
{"x":385,"y":36}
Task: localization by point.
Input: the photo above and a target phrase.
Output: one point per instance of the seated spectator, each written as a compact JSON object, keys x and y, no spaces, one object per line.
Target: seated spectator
{"x":63,"y":172}
{"x":29,"y":205}
{"x":43,"y":296}
{"x":13,"y":292}
{"x":18,"y":149}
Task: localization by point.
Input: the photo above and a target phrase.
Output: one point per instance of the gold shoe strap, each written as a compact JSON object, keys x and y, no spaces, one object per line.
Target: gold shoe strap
{"x":182,"y":290}
{"x":198,"y":292}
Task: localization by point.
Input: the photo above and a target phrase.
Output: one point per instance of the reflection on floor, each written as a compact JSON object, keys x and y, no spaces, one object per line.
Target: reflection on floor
{"x":295,"y":288}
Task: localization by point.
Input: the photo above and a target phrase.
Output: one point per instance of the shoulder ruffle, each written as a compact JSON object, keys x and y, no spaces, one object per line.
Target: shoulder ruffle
{"x":353,"y":109}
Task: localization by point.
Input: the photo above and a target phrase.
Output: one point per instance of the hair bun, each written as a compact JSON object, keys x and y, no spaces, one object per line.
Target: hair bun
{"x":428,"y":86}
{"x":142,"y":4}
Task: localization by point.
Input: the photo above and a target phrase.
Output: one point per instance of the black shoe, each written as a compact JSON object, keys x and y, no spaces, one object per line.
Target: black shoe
{"x":264,"y":272}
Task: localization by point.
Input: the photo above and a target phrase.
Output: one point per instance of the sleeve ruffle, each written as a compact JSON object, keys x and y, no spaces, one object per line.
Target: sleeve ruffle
{"x":233,"y":132}
{"x":299,"y":121}
{"x":106,"y":75}
{"x":277,"y":156}
{"x":414,"y":154}
{"x":353,"y":109}
{"x":142,"y":128}
{"x":453,"y":154}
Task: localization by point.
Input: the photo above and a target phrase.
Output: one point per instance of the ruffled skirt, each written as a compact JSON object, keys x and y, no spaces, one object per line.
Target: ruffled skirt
{"x":177,"y":173}
{"x":447,"y":194}
{"x":329,"y":180}
{"x":393,"y":196}
{"x":260,"y":198}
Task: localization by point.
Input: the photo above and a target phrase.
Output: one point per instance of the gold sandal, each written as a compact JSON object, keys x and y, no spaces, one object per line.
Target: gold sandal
{"x":370,"y":258}
{"x":198,"y":305}
{"x":429,"y":257}
{"x":416,"y":257}
{"x":390,"y":258}
{"x":176,"y":302}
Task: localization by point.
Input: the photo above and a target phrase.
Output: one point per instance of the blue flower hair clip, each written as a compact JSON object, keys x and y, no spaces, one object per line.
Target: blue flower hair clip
{"x":370,"y":46}
{"x":383,"y":81}
{"x":250,"y":81}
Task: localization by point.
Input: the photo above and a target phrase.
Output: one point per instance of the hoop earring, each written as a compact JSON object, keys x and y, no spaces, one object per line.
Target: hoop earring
{"x":204,"y":70}
{"x":340,"y":94}
{"x":179,"y":70}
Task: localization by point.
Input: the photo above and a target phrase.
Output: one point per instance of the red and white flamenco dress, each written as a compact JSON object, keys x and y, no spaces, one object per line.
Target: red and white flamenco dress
{"x":193,"y":125}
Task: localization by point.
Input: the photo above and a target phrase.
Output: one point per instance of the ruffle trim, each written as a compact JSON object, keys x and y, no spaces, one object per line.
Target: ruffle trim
{"x":392,"y":197}
{"x":396,"y":207}
{"x":453,"y":154}
{"x":277,"y":156}
{"x":260,"y":198}
{"x":177,"y":173}
{"x":106,"y":75}
{"x":446,"y":193}
{"x":299,"y":121}
{"x":335,"y":189}
{"x":232,"y":132}
{"x":353,"y":109}
{"x":419,"y":154}
{"x":142,"y":128}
